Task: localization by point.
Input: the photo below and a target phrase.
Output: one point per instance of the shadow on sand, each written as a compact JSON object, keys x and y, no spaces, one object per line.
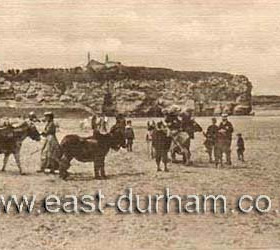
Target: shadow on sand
{"x":89,"y":177}
{"x":15,"y":173}
{"x":195,"y":165}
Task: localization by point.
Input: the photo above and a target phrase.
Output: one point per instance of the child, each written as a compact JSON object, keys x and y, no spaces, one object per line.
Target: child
{"x":129,"y":135}
{"x":240,"y":147}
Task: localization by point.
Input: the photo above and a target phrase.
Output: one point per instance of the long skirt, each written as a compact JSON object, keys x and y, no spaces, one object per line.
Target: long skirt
{"x":50,"y":154}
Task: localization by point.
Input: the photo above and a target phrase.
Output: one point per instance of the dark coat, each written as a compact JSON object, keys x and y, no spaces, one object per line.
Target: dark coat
{"x":190,"y":126}
{"x":50,"y":129}
{"x":173,"y":121}
{"x":240,"y":144}
{"x":227,"y":126}
{"x":129,"y":133}
{"x":211,"y":132}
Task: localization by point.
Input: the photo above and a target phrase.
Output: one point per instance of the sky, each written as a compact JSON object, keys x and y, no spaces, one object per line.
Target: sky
{"x":235,"y":36}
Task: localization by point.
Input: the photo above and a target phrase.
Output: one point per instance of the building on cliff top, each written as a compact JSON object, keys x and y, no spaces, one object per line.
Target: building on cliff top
{"x":111,"y":64}
{"x":95,"y":65}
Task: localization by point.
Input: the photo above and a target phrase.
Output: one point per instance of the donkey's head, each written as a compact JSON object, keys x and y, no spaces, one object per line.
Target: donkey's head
{"x":26,"y":129}
{"x":117,"y":133}
{"x":32,"y":132}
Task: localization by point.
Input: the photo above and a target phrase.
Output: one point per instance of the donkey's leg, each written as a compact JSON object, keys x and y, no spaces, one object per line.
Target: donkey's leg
{"x":5,"y":161}
{"x":97,"y":171}
{"x":187,"y":156}
{"x":187,"y":152}
{"x":100,"y":162}
{"x":102,"y":170}
{"x":173,"y":152}
{"x":184,"y":158}
{"x":97,"y":166}
{"x":17,"y":159}
{"x":64,"y":165}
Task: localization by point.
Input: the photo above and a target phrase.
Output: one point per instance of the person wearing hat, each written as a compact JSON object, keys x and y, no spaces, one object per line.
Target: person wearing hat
{"x":189,"y":125}
{"x":226,"y":128}
{"x":50,"y":153}
{"x":32,"y":117}
{"x":175,"y":109}
{"x":129,"y":135}
{"x":161,"y":144}
{"x":172,"y":120}
{"x":211,"y":135}
{"x":120,"y":120}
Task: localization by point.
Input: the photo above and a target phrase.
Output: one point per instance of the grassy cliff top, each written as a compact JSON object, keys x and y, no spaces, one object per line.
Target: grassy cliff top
{"x":79,"y":74}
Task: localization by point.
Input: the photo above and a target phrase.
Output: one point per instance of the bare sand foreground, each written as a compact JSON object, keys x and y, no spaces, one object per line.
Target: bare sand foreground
{"x":258,"y":175}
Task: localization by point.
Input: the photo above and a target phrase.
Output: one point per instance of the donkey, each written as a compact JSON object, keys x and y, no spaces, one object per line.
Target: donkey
{"x":90,"y":149}
{"x":11,"y":139}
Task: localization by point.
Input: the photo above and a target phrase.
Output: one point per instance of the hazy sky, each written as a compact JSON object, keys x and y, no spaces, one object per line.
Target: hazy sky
{"x":237,"y":36}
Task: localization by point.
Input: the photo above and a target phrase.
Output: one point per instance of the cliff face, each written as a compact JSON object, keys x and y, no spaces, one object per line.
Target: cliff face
{"x":135,"y":91}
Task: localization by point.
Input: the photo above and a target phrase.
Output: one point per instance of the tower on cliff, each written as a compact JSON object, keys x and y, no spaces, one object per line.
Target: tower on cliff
{"x":106,"y":58}
{"x":88,"y":55}
{"x":111,"y":64}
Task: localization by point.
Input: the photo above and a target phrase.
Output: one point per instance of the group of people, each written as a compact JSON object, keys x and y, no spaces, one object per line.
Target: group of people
{"x":100,"y":125}
{"x":181,"y":128}
{"x":224,"y":129}
{"x":174,"y":123}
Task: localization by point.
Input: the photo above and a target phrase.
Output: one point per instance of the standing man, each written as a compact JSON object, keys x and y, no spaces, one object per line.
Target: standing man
{"x":211,"y":135}
{"x":226,"y":129}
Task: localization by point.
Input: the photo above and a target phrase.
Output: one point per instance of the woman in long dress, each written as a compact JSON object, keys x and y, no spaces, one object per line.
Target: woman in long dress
{"x":50,"y":154}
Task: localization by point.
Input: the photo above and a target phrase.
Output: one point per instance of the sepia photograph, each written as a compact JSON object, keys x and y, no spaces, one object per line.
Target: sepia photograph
{"x":139,"y":124}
